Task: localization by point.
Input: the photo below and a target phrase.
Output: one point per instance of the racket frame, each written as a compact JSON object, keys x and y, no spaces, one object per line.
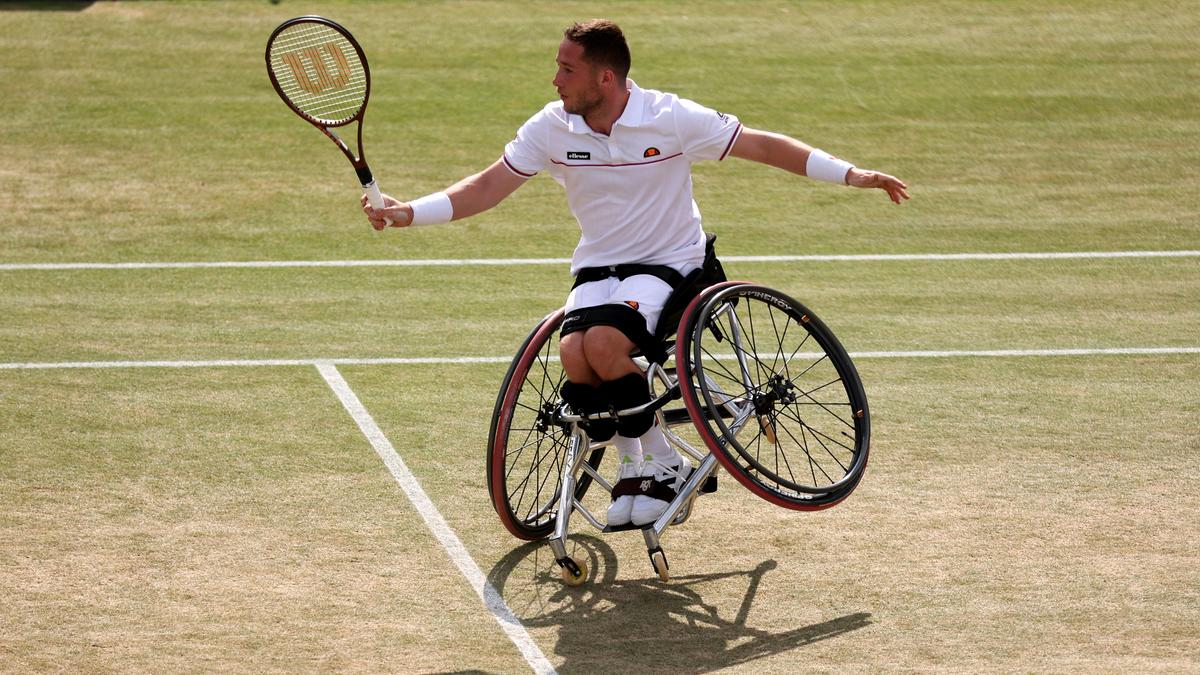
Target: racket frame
{"x":359,"y":162}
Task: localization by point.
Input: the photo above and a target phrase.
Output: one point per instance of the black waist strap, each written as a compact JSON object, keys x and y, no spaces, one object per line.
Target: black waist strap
{"x":622,"y":272}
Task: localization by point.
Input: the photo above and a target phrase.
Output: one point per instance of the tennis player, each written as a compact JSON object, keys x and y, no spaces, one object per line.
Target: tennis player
{"x":624,"y":156}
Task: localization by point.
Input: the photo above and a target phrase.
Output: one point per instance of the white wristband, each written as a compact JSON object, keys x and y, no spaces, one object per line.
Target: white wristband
{"x":432,"y":209}
{"x":824,"y":166}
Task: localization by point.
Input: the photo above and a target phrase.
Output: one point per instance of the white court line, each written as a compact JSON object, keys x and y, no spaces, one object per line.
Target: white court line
{"x":460,"y":262}
{"x":1018,"y":353}
{"x":886,"y":257}
{"x":504,"y":616}
{"x":451,"y":360}
{"x":221,"y":363}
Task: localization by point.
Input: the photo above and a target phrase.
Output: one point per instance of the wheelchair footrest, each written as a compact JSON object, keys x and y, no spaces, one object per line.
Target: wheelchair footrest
{"x":626,"y":527}
{"x":710,"y":485}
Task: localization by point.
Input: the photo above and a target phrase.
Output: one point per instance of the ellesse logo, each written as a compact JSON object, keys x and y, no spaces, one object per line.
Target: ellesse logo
{"x":576,"y":154}
{"x":651,"y":152}
{"x":632,"y":303}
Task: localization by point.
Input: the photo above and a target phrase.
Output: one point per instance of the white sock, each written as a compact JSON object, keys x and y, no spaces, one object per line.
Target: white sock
{"x":628,"y":449}
{"x":656,"y":447}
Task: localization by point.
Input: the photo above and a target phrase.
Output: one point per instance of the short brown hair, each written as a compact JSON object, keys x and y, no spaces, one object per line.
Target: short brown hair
{"x":603,"y":44}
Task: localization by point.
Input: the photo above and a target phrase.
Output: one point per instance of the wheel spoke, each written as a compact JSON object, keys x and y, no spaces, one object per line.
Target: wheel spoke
{"x":780,"y":452}
{"x":779,"y":340}
{"x":817,"y":432}
{"x":753,"y":351}
{"x":811,"y":460}
{"x":539,"y":457}
{"x":825,"y":407}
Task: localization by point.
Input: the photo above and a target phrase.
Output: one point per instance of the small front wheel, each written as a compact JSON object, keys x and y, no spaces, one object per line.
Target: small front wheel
{"x":659,"y":560}
{"x":570,"y":577}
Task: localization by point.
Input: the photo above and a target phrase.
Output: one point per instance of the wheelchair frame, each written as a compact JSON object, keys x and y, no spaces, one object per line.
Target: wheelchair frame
{"x":762,"y":393}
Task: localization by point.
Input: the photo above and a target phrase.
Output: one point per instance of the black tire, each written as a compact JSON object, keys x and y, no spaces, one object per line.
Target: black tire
{"x":804,"y":432}
{"x":526,"y":446}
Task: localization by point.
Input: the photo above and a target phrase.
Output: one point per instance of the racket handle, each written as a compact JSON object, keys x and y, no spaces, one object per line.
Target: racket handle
{"x":372,"y":191}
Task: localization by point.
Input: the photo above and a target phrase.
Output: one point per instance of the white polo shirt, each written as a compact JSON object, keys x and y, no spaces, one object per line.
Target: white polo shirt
{"x":631,"y":191}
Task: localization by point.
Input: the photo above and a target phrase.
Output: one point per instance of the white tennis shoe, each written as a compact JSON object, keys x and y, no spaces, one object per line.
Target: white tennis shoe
{"x":621,"y":507}
{"x":668,"y":479}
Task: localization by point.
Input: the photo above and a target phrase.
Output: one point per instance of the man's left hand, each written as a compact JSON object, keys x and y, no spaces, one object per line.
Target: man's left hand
{"x":896,"y":189}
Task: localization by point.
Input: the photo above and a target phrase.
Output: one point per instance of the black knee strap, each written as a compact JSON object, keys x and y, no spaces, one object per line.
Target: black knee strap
{"x":586,"y":400}
{"x":622,"y":317}
{"x":629,"y":391}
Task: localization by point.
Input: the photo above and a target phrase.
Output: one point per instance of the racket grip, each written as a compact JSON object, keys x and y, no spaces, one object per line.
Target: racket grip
{"x":372,"y":191}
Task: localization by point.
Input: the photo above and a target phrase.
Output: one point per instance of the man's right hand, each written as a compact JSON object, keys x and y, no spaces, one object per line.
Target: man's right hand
{"x":399,"y":212}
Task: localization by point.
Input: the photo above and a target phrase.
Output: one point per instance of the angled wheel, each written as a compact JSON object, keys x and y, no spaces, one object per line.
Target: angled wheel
{"x":526,"y":443}
{"x":774,"y":395}
{"x":572,"y":578}
{"x":659,"y":560}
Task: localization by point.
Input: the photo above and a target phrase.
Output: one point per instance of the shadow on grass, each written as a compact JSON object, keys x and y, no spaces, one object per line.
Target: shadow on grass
{"x":634,"y":625}
{"x":63,"y":6}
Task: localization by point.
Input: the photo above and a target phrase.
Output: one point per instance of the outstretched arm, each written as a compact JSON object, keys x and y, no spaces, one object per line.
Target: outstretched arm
{"x":792,"y":155}
{"x":468,"y":197}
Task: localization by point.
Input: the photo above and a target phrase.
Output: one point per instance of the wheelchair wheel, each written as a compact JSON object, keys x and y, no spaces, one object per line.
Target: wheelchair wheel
{"x":526,"y":445}
{"x":774,"y":395}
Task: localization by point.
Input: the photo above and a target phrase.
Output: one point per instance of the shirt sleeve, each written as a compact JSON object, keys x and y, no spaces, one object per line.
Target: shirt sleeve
{"x":526,"y":154}
{"x":703,"y":132}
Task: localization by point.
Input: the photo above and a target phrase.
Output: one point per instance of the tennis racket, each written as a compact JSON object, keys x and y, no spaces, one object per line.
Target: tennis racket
{"x":321,"y":73}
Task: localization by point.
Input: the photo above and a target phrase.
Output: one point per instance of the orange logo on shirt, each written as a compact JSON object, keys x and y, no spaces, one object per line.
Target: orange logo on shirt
{"x":651,"y":152}
{"x":632,"y":303}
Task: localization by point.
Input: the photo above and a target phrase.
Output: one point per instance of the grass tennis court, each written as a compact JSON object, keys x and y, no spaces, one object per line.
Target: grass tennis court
{"x":1034,"y":511}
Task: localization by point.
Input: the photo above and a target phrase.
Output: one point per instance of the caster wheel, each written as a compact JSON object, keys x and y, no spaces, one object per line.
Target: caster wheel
{"x":570,"y":578}
{"x":659,"y":560}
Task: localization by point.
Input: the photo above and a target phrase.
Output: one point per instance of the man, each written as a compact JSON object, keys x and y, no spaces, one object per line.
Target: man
{"x":624,"y":156}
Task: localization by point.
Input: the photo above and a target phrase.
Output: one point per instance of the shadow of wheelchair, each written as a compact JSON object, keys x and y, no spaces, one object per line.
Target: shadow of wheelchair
{"x":631,"y":625}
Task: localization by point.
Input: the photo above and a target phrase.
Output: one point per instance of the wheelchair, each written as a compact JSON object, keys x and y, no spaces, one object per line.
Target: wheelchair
{"x":753,"y":383}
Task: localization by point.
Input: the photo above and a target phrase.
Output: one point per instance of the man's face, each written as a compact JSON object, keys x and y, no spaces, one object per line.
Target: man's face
{"x":577,"y":80}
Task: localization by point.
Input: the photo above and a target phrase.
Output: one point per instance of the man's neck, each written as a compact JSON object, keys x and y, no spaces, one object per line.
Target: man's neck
{"x":602,"y":120}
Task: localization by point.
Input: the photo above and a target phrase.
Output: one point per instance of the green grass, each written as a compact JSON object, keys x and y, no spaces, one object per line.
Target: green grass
{"x":84,"y":315}
{"x":1021,"y":126}
{"x":1019,"y":514}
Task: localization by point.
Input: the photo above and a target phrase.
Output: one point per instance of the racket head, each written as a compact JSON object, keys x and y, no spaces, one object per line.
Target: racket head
{"x":319,"y":70}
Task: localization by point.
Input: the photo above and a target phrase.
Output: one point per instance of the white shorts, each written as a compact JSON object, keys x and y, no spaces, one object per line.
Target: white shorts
{"x":645,"y":293}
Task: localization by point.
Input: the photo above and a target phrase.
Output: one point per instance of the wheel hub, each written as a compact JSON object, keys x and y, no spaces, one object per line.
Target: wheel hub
{"x":546,"y":416}
{"x":777,"y":390}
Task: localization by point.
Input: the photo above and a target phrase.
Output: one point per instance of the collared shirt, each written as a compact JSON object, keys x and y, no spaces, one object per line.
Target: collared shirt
{"x":631,"y":190}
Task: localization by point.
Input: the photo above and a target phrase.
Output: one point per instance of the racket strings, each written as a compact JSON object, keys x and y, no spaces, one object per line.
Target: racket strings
{"x":319,"y":72}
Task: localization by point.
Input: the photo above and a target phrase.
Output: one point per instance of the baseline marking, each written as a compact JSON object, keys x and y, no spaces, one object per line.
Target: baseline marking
{"x":220,"y":363}
{"x":450,"y":360}
{"x":513,"y":262}
{"x":499,"y":609}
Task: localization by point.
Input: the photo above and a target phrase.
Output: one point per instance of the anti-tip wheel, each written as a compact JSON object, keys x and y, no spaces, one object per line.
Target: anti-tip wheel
{"x":659,"y":560}
{"x":570,"y":578}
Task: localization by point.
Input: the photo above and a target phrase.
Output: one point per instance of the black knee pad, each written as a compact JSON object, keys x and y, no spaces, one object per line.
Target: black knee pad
{"x":587,"y":400}
{"x":629,"y":392}
{"x":578,"y":396}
